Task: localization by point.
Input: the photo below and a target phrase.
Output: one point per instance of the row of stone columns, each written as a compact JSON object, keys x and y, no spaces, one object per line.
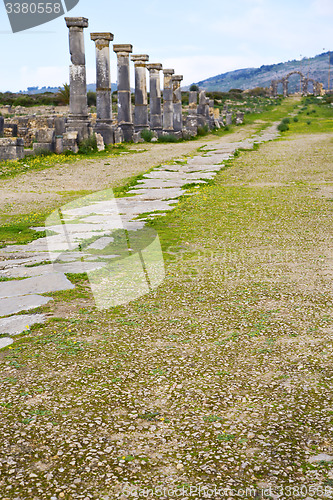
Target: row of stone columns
{"x":170,"y":121}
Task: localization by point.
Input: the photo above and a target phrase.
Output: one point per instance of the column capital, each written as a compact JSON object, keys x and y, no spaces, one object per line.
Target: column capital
{"x":101,"y":37}
{"x":155,"y":66}
{"x":139,"y":58}
{"x":77,"y":22}
{"x":125,"y":48}
{"x":168,"y":71}
{"x":177,"y":78}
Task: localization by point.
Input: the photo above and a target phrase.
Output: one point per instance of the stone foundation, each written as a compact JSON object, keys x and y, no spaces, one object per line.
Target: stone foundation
{"x":11,"y":148}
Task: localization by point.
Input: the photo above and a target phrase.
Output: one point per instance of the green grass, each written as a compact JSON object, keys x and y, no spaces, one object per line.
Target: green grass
{"x":321,"y":120}
{"x":274,"y":114}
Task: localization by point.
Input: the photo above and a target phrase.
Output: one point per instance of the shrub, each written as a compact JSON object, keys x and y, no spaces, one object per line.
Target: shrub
{"x":308,"y":122}
{"x":295,"y":118}
{"x":168,"y":138}
{"x":203,"y":130}
{"x":91,"y":97}
{"x":286,"y":120}
{"x":194,"y":88}
{"x":24,"y":100}
{"x":283,"y":127}
{"x":147,"y":135}
{"x":88,"y":146}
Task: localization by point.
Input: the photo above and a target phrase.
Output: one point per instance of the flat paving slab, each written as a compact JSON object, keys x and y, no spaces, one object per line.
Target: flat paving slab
{"x":13,"y":305}
{"x":53,"y":282}
{"x":15,"y":325}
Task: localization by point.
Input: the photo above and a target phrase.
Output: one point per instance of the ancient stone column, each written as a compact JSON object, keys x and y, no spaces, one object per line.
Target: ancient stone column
{"x":124,"y":90}
{"x":177,"y":103}
{"x":155,"y":97}
{"x":207,"y":109}
{"x":316,"y":88}
{"x":78,"y":106}
{"x":285,"y":88}
{"x":192,"y":119}
{"x":103,"y":86}
{"x":202,"y":109}
{"x":211,"y":112}
{"x":304,"y":85}
{"x":141,"y":99}
{"x":168,"y":101}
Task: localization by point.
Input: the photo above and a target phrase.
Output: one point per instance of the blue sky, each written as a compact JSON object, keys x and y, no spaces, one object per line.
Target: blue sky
{"x":196,"y":38}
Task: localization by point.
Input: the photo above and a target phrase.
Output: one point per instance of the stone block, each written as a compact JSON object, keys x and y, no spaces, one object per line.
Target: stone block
{"x":40,"y":147}
{"x":59,"y":145}
{"x":128,"y":131}
{"x":178,"y":134}
{"x":239,"y":118}
{"x":228,"y":118}
{"x":71,"y":141}
{"x":11,"y":148}
{"x":45,"y":135}
{"x":10,"y":129}
{"x":118,"y":136}
{"x":2,"y":122}
{"x":100,"y":142}
{"x":137,"y":137}
{"x":106,"y":130}
{"x":60,"y":125}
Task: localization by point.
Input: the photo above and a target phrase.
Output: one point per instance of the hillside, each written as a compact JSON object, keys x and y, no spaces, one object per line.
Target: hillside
{"x":315,"y":67}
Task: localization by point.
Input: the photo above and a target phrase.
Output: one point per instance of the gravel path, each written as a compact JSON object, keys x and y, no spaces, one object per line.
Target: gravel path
{"x":45,"y":189}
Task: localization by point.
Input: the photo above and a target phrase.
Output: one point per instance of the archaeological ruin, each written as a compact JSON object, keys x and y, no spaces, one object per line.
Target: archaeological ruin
{"x":61,"y":129}
{"x":304,"y":85}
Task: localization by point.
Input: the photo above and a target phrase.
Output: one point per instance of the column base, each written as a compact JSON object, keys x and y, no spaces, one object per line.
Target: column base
{"x":128,"y":130}
{"x":106,"y":130}
{"x":80,"y":125}
{"x":138,"y":128}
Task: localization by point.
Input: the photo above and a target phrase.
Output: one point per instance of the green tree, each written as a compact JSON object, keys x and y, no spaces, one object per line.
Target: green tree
{"x":63,"y":94}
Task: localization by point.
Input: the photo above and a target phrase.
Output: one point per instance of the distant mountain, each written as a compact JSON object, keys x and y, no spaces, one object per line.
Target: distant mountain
{"x":41,"y":90}
{"x":249,"y":78}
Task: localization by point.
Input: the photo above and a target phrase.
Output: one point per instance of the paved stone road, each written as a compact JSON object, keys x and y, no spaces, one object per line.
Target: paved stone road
{"x":95,"y":234}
